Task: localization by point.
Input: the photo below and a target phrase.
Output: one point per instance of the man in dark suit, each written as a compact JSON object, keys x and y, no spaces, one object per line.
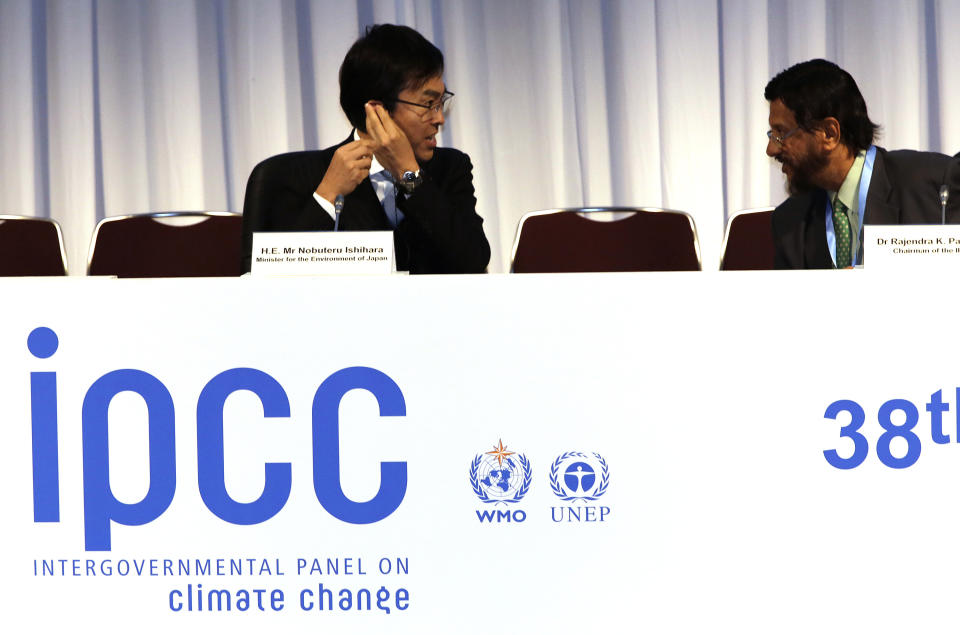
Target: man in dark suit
{"x":389,"y":174}
{"x":838,"y":180}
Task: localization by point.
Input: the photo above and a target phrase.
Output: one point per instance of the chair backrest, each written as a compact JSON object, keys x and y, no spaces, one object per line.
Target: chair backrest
{"x":31,"y":247}
{"x":269,"y":182}
{"x":568,"y":240}
{"x":166,"y":245}
{"x":748,"y":241}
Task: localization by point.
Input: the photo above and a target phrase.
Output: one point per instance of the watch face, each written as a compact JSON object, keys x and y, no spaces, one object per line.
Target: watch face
{"x":409,"y":181}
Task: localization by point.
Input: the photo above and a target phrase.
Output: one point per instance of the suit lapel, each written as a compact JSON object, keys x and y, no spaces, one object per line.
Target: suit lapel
{"x":878,"y":209}
{"x":815,"y":235}
{"x":361,"y":207}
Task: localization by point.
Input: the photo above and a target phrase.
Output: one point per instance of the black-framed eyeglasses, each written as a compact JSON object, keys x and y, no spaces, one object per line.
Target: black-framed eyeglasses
{"x":442,"y":105}
{"x":779,"y":139}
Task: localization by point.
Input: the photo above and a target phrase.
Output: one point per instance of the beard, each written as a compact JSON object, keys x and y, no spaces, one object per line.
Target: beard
{"x":804,"y":169}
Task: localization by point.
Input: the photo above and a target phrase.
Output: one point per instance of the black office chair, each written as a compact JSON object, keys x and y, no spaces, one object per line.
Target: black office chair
{"x":568,"y":240}
{"x":270,"y":183}
{"x":166,"y":245}
{"x":31,"y":246}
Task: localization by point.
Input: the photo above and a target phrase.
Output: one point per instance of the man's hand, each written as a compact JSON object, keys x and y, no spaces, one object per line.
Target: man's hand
{"x":393,"y":149}
{"x":349,"y":166}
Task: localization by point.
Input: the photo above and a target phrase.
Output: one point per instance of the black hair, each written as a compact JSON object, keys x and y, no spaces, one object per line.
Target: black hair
{"x":387,"y":59}
{"x":817,"y":89}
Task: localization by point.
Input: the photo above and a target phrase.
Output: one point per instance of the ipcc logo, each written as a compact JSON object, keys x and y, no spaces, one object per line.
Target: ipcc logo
{"x":102,"y":509}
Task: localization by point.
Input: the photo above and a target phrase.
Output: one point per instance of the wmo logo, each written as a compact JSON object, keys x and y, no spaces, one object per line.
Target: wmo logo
{"x":500,"y":476}
{"x":577,"y":477}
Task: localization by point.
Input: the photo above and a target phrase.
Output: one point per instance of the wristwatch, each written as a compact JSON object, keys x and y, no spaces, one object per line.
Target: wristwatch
{"x":410,"y":181}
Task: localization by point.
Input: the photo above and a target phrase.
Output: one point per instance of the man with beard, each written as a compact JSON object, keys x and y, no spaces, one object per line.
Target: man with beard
{"x":389,"y":173}
{"x":837,"y":179}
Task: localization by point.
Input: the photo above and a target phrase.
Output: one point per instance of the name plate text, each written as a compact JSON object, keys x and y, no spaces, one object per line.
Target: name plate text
{"x":322,"y":253}
{"x":900,"y":247}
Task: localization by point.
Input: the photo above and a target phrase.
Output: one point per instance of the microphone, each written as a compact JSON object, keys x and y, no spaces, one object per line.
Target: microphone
{"x":944,"y":197}
{"x":338,"y":207}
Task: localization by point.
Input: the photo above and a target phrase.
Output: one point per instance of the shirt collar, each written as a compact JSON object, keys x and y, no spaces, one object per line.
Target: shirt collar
{"x":375,"y":167}
{"x":848,"y":189}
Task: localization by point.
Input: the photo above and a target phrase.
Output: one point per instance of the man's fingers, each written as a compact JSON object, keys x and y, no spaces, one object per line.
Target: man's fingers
{"x":359,"y":169}
{"x":362,"y":164}
{"x":386,"y":121}
{"x":368,"y":147}
{"x":374,"y":125}
{"x":358,"y":148}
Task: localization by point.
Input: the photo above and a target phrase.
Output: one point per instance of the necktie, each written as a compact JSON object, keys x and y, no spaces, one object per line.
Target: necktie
{"x":841,"y":225}
{"x":385,"y":188}
{"x":390,"y":200}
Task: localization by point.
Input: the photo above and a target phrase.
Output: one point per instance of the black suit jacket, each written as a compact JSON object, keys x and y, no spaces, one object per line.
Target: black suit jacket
{"x":904,"y":190}
{"x":440,"y":232}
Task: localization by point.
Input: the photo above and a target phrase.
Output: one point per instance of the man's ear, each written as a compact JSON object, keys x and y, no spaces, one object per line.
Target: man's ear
{"x":829,"y":133}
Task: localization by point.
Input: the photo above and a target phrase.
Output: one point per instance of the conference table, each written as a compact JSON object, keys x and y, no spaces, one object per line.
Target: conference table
{"x":635,"y":452}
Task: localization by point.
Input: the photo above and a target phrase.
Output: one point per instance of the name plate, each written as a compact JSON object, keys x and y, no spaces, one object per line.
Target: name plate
{"x":322,"y":253}
{"x":889,"y":247}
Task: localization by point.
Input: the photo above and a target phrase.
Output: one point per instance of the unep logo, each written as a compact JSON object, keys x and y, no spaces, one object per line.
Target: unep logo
{"x":578,"y":476}
{"x":500,"y":476}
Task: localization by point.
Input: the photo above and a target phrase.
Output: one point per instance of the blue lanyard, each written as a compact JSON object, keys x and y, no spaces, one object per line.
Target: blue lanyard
{"x":862,"y":189}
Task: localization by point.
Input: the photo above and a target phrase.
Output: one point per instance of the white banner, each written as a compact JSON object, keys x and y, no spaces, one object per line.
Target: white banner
{"x":574,"y":453}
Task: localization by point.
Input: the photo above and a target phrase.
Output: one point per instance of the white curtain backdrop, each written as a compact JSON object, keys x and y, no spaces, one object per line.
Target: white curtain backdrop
{"x":122,"y":106}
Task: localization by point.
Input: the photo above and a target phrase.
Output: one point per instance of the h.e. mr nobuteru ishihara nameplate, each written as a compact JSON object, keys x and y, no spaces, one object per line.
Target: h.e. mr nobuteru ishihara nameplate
{"x":322,"y":253}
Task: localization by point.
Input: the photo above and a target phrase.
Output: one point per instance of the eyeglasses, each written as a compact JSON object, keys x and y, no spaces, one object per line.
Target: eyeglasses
{"x":780,"y":139}
{"x":442,"y":105}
